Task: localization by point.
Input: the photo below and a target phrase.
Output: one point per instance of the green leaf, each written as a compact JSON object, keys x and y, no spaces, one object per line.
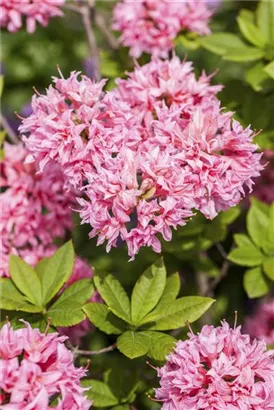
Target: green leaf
{"x":113,"y":294}
{"x":254,"y":283}
{"x":40,"y":267}
{"x":230,"y":215}
{"x":160,"y":344}
{"x":269,"y":69}
{"x":247,"y":15}
{"x":100,"y":393}
{"x":26,"y":279}
{"x":79,"y":291}
{"x":265,"y":19}
{"x":148,"y":291}
{"x":246,"y":255}
{"x":121,"y":407}
{"x":215,"y":230}
{"x":104,"y":319}
{"x":206,"y":265}
{"x":268,"y":267}
{"x":244,"y":55}
{"x":268,"y":243}
{"x":133,"y":344}
{"x":222,"y":43}
{"x":177,"y":313}
{"x":12,"y":299}
{"x":172,"y":289}
{"x":1,"y":85}
{"x":256,"y":76}
{"x":251,"y":32}
{"x":257,"y":223}
{"x":57,"y":271}
{"x":242,"y":240}
{"x":67,"y":313}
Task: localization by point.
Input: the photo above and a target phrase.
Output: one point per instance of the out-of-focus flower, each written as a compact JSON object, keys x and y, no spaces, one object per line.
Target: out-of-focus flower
{"x":261,"y":324}
{"x":264,"y":185}
{"x":81,"y":270}
{"x":218,"y":369}
{"x":34,"y":368}
{"x":14,"y":12}
{"x":145,"y":154}
{"x":151,"y":25}
{"x":35,"y":208}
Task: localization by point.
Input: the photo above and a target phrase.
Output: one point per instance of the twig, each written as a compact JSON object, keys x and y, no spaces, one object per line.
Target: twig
{"x":94,"y":52}
{"x":213,"y":285}
{"x":221,"y":249}
{"x":101,"y":24}
{"x":79,"y":352}
{"x":11,"y":134}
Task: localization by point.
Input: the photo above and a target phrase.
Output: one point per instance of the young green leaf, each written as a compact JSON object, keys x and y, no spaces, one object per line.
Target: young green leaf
{"x":246,"y":255}
{"x":79,"y":291}
{"x":172,"y":289}
{"x":268,"y":267}
{"x":254,"y":283}
{"x":26,"y":279}
{"x":242,"y":240}
{"x":175,"y":314}
{"x":12,"y":299}
{"x":41,"y":267}
{"x":269,"y":69}
{"x":160,"y":344}
{"x":256,"y":76}
{"x":265,"y":19}
{"x":57,"y":271}
{"x":133,"y":344}
{"x":244,"y":55}
{"x":251,"y":32}
{"x":100,"y":393}
{"x":104,"y":319}
{"x":148,"y":291}
{"x":257,"y":223}
{"x":222,"y":43}
{"x":67,"y":313}
{"x":113,"y":294}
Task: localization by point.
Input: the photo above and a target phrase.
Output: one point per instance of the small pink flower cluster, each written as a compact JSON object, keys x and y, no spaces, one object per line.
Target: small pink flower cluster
{"x":147,"y":153}
{"x":35,"y":208}
{"x":261,"y":324}
{"x":81,"y":270}
{"x":35,"y":368}
{"x":151,"y":25}
{"x":264,"y":188}
{"x":13,"y":12}
{"x":218,"y":369}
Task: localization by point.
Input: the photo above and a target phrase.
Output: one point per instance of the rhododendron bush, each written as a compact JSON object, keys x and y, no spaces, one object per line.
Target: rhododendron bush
{"x":137,"y":213}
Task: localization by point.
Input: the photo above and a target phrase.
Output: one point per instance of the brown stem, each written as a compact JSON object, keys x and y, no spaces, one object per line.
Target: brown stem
{"x":79,"y":352}
{"x":101,"y":24}
{"x":213,"y":285}
{"x":11,"y":134}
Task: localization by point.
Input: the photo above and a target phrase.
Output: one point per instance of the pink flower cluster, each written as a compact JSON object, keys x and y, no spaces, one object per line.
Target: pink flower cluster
{"x":152,"y":25}
{"x":35,"y":208}
{"x":81,"y":270}
{"x":145,"y":154}
{"x":35,"y":368}
{"x":264,"y":188}
{"x":218,"y":369}
{"x":261,"y":324}
{"x":13,"y":13}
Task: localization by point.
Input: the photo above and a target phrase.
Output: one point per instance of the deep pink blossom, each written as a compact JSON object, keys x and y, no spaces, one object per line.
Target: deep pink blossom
{"x":14,"y":12}
{"x":151,"y":26}
{"x":145,"y":154}
{"x":35,"y":208}
{"x":261,"y":324}
{"x":34,"y":367}
{"x":218,"y":369}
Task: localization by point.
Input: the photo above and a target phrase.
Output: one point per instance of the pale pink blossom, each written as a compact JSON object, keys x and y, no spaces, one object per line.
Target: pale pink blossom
{"x":218,"y":369}
{"x":261,"y":324}
{"x":14,"y":12}
{"x":151,"y":26}
{"x":35,"y":208}
{"x":36,"y":370}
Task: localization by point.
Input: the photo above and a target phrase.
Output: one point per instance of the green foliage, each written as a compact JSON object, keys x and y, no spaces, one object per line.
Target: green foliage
{"x":34,"y":290}
{"x":256,"y":249}
{"x":153,"y":307}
